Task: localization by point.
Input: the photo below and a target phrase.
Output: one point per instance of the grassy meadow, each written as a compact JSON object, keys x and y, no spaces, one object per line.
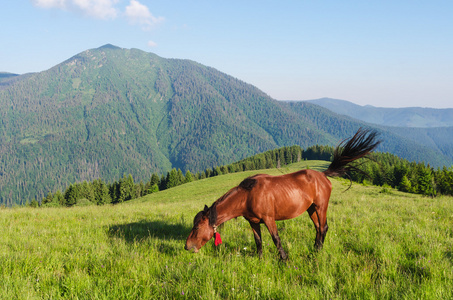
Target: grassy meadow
{"x":381,"y":244}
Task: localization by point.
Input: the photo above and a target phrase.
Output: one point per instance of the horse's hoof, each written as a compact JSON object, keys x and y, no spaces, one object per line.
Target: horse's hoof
{"x":284,"y":257}
{"x":318,"y":246}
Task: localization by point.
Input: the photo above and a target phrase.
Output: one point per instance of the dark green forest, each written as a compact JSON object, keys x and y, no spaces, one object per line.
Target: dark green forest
{"x":382,"y":169}
{"x":109,"y":111}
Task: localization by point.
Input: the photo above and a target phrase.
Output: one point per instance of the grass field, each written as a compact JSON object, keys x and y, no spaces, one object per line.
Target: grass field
{"x":381,"y":244}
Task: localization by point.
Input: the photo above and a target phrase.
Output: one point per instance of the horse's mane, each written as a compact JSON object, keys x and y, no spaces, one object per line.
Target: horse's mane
{"x":246,"y":184}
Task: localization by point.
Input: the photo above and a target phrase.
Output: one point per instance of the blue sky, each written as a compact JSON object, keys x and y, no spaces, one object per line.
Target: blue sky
{"x":381,"y":53}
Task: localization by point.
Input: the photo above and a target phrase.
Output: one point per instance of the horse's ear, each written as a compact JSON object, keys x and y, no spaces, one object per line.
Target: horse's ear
{"x":206,"y":208}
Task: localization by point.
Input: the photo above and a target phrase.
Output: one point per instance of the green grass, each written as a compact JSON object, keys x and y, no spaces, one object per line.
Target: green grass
{"x":381,"y":244}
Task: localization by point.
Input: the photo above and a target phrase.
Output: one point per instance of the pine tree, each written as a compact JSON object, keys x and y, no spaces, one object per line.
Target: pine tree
{"x":86,"y":191}
{"x":114,"y":191}
{"x":140,"y":189}
{"x":127,"y":189}
{"x":34,"y":203}
{"x":153,"y":189}
{"x":425,"y":181}
{"x":71,"y":195}
{"x":101,"y":192}
{"x":47,"y":200}
{"x":180,"y":177}
{"x":152,"y":185}
{"x":444,"y":181}
{"x":224,"y":169}
{"x":59,"y":199}
{"x":154,"y":180}
{"x":163,"y":183}
{"x":405,"y":185}
{"x":171,"y":179}
{"x":216,"y":171}
{"x":188,"y":177}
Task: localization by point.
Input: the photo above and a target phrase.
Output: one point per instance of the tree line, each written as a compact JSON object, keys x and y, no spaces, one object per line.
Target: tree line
{"x":98,"y":192}
{"x":386,"y":169}
{"x":418,"y":178}
{"x":381,"y":169}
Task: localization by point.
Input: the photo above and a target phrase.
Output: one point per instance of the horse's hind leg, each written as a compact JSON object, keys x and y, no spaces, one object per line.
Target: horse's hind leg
{"x":319,"y":218}
{"x":272,"y":227}
{"x":257,"y":234}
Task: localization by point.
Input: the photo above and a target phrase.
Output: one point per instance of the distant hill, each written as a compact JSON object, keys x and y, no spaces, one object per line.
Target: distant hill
{"x":398,"y":117}
{"x":5,"y":75}
{"x":110,"y":111}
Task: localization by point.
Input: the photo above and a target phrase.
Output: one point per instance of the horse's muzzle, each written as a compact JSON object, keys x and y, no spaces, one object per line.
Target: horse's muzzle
{"x":194,"y":248}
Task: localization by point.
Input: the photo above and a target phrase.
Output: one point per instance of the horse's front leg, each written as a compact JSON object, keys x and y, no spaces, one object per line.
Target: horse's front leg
{"x":272,"y":227}
{"x":257,"y":234}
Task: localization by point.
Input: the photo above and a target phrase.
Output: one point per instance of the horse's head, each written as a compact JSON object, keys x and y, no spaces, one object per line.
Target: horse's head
{"x":203,"y":229}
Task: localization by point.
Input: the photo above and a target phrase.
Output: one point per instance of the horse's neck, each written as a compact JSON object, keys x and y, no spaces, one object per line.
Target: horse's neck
{"x":230,"y":207}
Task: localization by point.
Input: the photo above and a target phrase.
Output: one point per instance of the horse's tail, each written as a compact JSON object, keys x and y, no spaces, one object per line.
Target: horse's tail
{"x":362,"y":143}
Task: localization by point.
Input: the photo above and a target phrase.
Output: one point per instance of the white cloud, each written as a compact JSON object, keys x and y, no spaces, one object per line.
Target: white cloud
{"x":138,"y":13}
{"x":152,"y":44}
{"x":98,"y":9}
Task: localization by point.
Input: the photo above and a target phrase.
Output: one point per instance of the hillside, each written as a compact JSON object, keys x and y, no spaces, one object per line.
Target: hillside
{"x":110,"y":111}
{"x":381,"y":244}
{"x":395,"y":117}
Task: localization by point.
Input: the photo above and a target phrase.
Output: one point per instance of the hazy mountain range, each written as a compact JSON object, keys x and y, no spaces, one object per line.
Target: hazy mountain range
{"x":422,"y":117}
{"x":110,"y":111}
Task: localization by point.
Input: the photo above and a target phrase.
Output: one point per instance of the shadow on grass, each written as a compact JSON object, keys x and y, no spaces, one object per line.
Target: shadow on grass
{"x":140,"y":231}
{"x":359,"y":248}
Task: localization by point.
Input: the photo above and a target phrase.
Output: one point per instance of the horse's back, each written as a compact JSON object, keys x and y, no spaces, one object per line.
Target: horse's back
{"x":285,"y":196}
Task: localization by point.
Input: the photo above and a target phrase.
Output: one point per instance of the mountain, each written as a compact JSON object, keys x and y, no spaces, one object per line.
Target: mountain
{"x":397,"y":117}
{"x":110,"y":111}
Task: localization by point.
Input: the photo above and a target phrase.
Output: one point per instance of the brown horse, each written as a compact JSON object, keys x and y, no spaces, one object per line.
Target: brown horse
{"x":265,"y":199}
